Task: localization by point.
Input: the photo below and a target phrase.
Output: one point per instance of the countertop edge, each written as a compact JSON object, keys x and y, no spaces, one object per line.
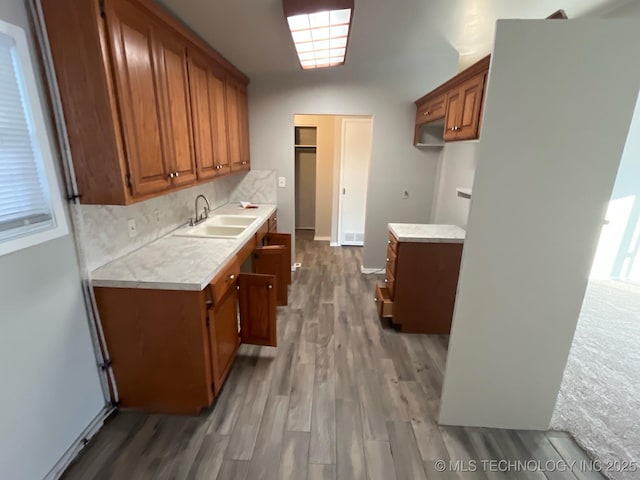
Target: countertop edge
{"x":426,"y":239}
{"x":185,"y":286}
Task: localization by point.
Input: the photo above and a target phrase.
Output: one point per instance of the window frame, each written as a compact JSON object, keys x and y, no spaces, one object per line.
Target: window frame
{"x":59,"y":226}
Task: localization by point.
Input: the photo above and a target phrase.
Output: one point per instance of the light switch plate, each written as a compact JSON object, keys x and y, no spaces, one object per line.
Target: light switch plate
{"x":131,"y":227}
{"x":282,"y":182}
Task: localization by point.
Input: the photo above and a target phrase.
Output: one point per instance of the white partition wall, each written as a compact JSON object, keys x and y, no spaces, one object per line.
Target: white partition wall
{"x":560,"y":100}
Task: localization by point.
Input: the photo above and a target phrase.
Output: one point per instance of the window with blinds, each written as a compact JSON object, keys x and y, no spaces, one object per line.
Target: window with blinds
{"x":30,"y":205}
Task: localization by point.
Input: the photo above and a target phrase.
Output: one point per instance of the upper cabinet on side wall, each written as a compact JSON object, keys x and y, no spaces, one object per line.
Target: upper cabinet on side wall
{"x":238,"y":122}
{"x":145,"y":101}
{"x":458,"y":101}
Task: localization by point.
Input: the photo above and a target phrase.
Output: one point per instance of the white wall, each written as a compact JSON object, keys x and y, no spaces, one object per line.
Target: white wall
{"x":385,"y":90}
{"x":457,"y":169}
{"x":546,"y":170}
{"x":50,"y":385}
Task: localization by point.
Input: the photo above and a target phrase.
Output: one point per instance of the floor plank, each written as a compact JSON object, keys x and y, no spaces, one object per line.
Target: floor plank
{"x":295,"y":456}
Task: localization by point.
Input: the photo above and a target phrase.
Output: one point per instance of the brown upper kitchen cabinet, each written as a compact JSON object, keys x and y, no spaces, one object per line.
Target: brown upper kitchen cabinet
{"x":238,"y":124}
{"x":458,"y":101}
{"x":463,"y":110}
{"x":144,"y":100}
{"x":208,"y":104}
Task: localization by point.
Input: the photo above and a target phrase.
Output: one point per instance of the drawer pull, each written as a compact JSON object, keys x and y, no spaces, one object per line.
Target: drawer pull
{"x":386,"y":281}
{"x":387,"y":260}
{"x":270,"y":286}
{"x":232,"y":276}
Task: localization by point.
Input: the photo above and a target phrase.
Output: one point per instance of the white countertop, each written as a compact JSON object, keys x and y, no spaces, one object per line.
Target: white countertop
{"x":179,"y":263}
{"x":427,"y":233}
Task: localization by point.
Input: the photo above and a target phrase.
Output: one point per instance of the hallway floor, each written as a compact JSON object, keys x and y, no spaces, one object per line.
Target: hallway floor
{"x":344,"y":396}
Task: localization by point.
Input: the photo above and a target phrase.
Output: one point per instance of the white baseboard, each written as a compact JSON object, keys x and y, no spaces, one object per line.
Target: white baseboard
{"x":334,"y":244}
{"x":72,"y":452}
{"x":369,"y":271}
{"x":321,"y":239}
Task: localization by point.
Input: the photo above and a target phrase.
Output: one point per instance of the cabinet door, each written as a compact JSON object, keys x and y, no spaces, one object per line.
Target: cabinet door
{"x":453,"y":111}
{"x":131,"y":37}
{"x":223,"y":337}
{"x":219,"y":120}
{"x":470,"y":108}
{"x":257,"y":300}
{"x":172,"y":70}
{"x":201,"y":112}
{"x":433,"y":109}
{"x":233,"y":123}
{"x":282,"y":239}
{"x":273,"y":260}
{"x":243,"y":118}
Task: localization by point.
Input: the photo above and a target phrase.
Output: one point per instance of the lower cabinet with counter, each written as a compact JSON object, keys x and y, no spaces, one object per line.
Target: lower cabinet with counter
{"x":421,"y":277}
{"x":171,"y":350}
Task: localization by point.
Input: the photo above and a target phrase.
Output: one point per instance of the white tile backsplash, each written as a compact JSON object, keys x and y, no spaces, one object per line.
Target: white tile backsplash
{"x":104,"y":231}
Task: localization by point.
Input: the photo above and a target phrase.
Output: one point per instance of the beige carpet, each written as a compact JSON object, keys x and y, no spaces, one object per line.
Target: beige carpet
{"x":599,"y":401}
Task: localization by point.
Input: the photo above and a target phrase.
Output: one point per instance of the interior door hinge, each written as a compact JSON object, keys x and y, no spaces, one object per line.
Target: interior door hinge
{"x":103,"y":10}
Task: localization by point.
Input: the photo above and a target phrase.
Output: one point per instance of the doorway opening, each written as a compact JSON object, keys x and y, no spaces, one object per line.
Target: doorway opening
{"x":600,"y":393}
{"x":332,"y":158}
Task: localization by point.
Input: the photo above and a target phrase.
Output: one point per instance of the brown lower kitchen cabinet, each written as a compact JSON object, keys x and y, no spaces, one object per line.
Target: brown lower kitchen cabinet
{"x":172,"y":350}
{"x":421,"y":279}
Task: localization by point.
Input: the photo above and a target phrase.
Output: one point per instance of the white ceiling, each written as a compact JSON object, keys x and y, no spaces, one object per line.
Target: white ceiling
{"x":253,"y":34}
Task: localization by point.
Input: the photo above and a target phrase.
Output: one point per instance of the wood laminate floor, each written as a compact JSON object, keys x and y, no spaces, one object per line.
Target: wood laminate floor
{"x":344,"y":396}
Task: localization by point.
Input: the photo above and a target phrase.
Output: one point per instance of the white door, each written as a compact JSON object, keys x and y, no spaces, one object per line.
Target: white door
{"x":354,"y":177}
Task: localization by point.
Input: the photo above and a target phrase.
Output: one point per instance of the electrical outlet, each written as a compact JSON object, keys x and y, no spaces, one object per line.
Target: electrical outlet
{"x":131,"y":227}
{"x":157,"y":214}
{"x":282,"y":182}
{"x":405,"y":194}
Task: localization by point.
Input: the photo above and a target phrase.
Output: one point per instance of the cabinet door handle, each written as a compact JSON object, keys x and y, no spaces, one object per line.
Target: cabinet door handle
{"x":270,"y":286}
{"x":452,"y":129}
{"x":387,"y":260}
{"x":388,"y":242}
{"x":177,"y":174}
{"x":171,"y":175}
{"x":232,"y":276}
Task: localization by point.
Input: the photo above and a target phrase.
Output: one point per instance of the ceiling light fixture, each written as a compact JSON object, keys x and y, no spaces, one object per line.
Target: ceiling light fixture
{"x":320,"y":30}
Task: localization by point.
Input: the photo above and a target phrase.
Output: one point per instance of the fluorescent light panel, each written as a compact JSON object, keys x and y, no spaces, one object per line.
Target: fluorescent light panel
{"x":321,"y":38}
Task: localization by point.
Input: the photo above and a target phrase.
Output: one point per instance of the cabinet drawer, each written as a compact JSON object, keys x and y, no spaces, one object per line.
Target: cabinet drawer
{"x":393,"y":242}
{"x":273,"y":223}
{"x":390,"y":283}
{"x":392,"y":261}
{"x":430,"y":110}
{"x":224,"y":280}
{"x":384,"y":303}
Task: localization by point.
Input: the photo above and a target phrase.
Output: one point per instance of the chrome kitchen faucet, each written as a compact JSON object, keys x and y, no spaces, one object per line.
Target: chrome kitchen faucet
{"x":199,"y":218}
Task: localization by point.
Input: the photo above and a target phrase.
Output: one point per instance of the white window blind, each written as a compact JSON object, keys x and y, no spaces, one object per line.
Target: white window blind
{"x":24,"y":195}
